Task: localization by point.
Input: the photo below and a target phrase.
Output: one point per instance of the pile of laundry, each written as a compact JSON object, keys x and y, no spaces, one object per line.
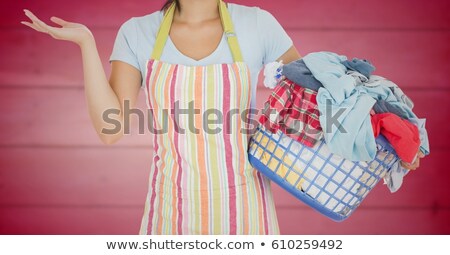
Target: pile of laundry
{"x":327,"y":96}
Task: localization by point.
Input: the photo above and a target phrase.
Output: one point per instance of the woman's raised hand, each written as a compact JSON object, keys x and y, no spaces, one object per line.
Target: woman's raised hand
{"x":102,"y":95}
{"x":69,"y":31}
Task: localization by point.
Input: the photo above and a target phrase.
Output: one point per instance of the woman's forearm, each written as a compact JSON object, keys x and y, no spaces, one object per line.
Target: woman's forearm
{"x":101,"y":98}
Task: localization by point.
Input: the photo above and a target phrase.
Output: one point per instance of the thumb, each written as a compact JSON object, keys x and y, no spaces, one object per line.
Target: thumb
{"x":59,"y":21}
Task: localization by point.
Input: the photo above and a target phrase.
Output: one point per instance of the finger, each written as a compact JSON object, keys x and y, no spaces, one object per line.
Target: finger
{"x":404,"y":164}
{"x":59,"y":21}
{"x":31,"y":15}
{"x":407,"y":165}
{"x":41,"y":26}
{"x":421,"y":155}
{"x":30,"y":25}
{"x":35,"y":27}
{"x":45,"y":28}
{"x":34,"y":20}
{"x":415,"y":165}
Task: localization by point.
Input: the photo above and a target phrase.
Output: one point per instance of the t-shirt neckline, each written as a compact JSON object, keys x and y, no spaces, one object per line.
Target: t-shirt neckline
{"x":216,"y":50}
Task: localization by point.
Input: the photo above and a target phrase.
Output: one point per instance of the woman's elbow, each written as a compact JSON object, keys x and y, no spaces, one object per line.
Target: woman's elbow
{"x":109,"y":139}
{"x":111,"y":132}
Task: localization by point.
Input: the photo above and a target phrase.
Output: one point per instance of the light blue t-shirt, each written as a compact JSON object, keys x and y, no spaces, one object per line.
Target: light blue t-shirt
{"x":261,"y":39}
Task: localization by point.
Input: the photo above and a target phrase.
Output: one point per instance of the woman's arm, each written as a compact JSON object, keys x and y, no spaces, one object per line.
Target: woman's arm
{"x":105,"y":98}
{"x":102,"y":96}
{"x":290,"y":55}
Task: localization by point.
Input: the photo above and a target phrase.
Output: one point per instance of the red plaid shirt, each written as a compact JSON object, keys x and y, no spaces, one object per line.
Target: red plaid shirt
{"x":293,"y":110}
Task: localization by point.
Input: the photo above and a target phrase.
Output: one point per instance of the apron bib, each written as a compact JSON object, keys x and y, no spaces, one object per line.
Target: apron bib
{"x":201,"y":181}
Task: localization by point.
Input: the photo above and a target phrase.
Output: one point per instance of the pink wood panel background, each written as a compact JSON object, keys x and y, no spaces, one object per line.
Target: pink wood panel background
{"x":396,"y":53}
{"x":57,"y":178}
{"x":319,"y":14}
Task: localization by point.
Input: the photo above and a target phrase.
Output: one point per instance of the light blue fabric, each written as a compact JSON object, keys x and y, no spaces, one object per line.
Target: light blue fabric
{"x":362,"y":66}
{"x":382,"y":92}
{"x":394,"y":177}
{"x":381,"y":88}
{"x":376,"y":80}
{"x":340,"y":98}
{"x":382,"y":106}
{"x":424,"y":143}
{"x":359,"y":78}
{"x":299,"y":73}
{"x":327,"y":68}
{"x":261,"y":38}
{"x":357,"y":141}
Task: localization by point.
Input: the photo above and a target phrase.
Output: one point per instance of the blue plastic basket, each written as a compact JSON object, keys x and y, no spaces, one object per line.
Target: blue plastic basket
{"x":332,"y":185}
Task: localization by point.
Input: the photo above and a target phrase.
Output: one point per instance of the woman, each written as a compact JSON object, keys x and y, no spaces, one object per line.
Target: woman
{"x":200,"y":53}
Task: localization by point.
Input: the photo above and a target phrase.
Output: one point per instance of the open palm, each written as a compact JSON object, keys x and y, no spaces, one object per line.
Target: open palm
{"x":69,"y":31}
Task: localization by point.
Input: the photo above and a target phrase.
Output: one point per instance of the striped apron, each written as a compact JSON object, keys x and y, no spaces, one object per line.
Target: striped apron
{"x":201,"y":181}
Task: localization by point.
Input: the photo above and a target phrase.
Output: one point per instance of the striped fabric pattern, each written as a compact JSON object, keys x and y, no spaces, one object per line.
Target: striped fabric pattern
{"x":202,"y":182}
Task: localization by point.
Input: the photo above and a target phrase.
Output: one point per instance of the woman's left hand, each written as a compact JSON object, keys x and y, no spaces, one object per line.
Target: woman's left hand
{"x":415,"y":164}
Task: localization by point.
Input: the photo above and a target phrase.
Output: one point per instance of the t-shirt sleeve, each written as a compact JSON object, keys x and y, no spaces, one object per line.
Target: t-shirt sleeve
{"x":274,"y":39}
{"x":125,"y":45}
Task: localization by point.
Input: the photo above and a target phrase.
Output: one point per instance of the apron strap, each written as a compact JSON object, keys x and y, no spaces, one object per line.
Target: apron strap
{"x":227,"y":25}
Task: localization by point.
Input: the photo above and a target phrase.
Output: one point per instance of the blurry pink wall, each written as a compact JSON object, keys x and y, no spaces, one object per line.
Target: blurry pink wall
{"x":56,"y":177}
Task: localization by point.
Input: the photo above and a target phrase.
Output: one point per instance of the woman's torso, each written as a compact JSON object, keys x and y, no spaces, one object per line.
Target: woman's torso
{"x":261,"y":38}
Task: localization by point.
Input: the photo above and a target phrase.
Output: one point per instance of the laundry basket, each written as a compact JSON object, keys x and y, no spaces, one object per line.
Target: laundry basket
{"x":332,"y":185}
